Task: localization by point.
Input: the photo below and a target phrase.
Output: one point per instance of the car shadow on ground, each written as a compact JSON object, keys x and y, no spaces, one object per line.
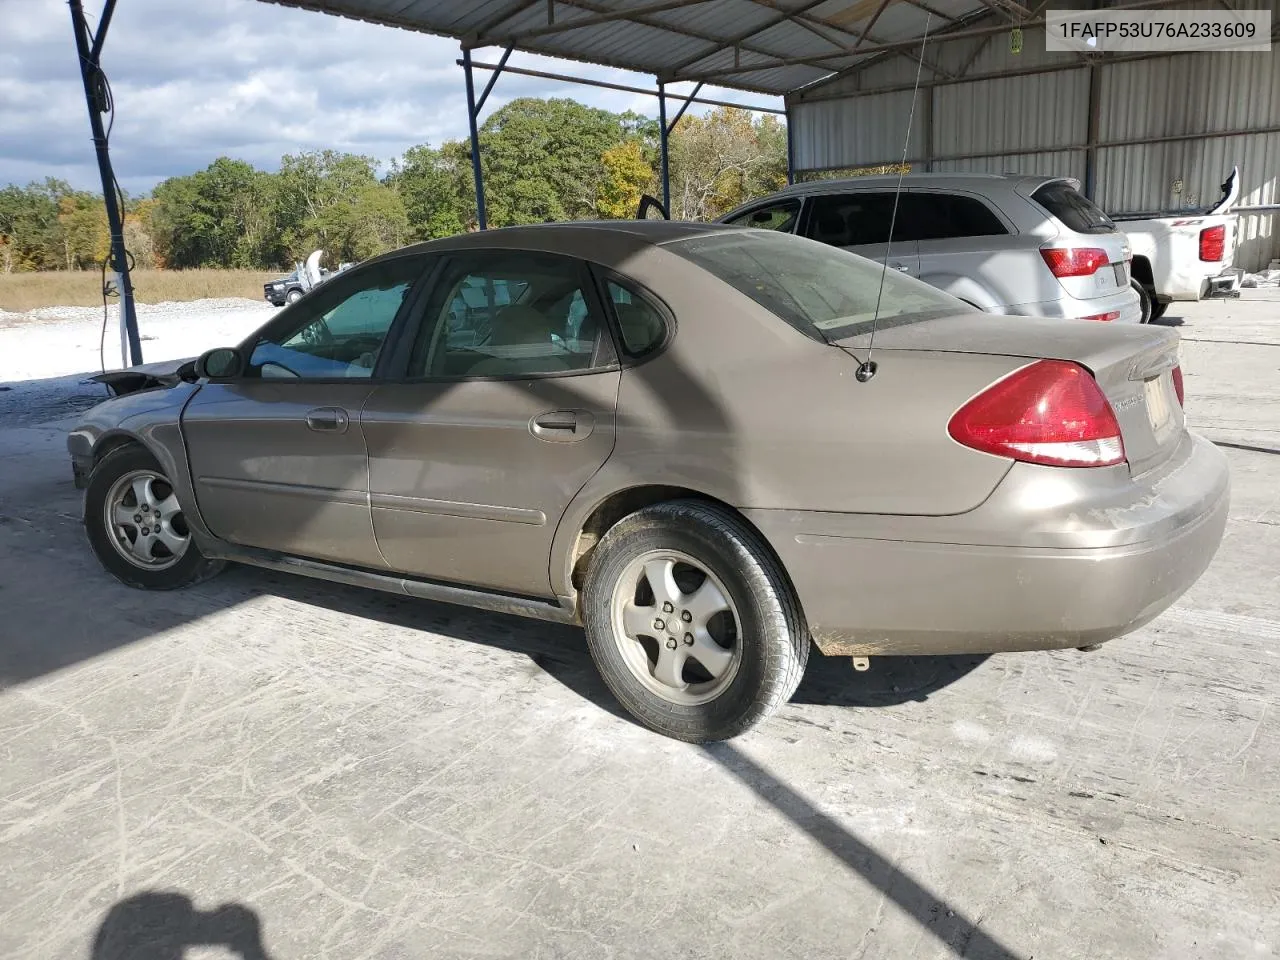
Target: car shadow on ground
{"x":561,"y":651}
{"x":1168,"y":321}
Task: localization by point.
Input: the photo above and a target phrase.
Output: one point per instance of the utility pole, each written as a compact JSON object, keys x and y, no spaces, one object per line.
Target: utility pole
{"x":98,"y":100}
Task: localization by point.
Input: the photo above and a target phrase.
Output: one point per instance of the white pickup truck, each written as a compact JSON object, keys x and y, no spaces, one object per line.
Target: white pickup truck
{"x":1184,"y":257}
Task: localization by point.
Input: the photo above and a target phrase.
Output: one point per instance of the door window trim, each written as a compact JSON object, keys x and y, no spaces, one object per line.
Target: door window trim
{"x":604,"y":357}
{"x":403,"y":318}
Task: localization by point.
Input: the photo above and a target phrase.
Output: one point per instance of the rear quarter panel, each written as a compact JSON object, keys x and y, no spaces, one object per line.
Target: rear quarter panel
{"x":744,"y":408}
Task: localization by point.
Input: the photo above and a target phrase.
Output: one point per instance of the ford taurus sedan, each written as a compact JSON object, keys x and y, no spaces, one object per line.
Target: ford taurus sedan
{"x":684,"y":438}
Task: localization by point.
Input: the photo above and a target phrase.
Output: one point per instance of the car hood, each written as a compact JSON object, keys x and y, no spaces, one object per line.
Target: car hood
{"x":146,"y":376}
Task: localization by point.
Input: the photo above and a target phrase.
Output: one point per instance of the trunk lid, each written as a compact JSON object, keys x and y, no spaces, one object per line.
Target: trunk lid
{"x":1132,"y":364}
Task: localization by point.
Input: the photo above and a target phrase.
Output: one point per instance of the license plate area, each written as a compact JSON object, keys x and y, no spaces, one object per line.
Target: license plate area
{"x":1162,"y":404}
{"x":1121,"y":280}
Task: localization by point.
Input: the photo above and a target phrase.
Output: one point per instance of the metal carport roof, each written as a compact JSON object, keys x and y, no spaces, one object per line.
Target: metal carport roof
{"x":766,"y":46}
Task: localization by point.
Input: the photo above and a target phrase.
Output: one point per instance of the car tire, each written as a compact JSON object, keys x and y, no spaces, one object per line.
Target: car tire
{"x":1145,"y":300}
{"x":761,"y":642}
{"x":293,"y":296}
{"x":1158,"y":308}
{"x":114,"y":482}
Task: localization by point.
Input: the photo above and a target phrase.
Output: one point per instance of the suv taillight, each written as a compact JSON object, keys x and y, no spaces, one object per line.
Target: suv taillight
{"x":1074,"y":261}
{"x":1213,"y":241}
{"x":1177,"y":386}
{"x":1050,"y":412}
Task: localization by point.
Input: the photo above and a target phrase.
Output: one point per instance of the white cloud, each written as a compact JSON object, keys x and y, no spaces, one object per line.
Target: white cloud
{"x":241,"y":78}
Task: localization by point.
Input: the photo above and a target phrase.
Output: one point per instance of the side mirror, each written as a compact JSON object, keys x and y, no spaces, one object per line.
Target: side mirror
{"x":223,"y":363}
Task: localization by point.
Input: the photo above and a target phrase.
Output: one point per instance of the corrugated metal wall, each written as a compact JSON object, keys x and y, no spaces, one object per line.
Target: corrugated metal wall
{"x":1038,"y":123}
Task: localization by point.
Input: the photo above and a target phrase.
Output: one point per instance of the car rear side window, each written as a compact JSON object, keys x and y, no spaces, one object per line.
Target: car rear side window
{"x":507,"y":315}
{"x":1072,"y":208}
{"x":946,"y":216}
{"x":641,"y":323}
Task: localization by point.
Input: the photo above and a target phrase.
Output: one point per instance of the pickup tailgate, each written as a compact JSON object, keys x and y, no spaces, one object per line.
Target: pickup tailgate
{"x":1132,"y":364}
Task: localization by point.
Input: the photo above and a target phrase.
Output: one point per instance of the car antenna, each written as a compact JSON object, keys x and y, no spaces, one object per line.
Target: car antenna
{"x":867,"y":369}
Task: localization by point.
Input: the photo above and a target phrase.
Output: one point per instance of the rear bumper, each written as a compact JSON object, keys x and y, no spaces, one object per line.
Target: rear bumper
{"x":1124,"y":302}
{"x":1054,"y":558}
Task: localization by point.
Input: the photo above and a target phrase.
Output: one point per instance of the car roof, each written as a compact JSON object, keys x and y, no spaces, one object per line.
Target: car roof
{"x":580,"y":238}
{"x":978,"y":182}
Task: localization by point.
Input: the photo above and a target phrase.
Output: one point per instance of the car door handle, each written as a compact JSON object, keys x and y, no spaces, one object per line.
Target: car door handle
{"x":328,"y":420}
{"x":562,"y":425}
{"x":900,"y":267}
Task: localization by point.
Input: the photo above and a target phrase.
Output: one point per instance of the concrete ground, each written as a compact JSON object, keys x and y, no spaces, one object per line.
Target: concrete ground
{"x":275,"y":767}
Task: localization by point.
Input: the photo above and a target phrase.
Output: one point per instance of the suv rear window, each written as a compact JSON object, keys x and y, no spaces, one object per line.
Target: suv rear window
{"x":1076,"y":211}
{"x":824,"y":292}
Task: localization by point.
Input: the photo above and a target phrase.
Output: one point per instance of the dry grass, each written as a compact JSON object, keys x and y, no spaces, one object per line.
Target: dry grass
{"x":20,"y":292}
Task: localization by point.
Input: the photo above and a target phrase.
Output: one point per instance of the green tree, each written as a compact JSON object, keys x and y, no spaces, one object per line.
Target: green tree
{"x":723,"y":159}
{"x":628,"y":175}
{"x":218,"y":217}
{"x":436,"y":188}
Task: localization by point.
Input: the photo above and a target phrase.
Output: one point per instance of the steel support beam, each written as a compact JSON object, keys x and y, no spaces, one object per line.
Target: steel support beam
{"x":88,"y":48}
{"x":791,"y":151}
{"x":683,"y":107}
{"x":1091,"y":134}
{"x":472,"y":110}
{"x":563,"y":78}
{"x":497,"y":72}
{"x":663,"y":134}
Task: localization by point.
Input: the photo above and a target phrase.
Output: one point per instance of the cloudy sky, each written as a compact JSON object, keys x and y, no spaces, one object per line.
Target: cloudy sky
{"x":195,"y":79}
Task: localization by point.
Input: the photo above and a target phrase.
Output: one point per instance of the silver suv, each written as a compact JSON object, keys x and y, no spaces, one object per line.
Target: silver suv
{"x":1033,"y":246}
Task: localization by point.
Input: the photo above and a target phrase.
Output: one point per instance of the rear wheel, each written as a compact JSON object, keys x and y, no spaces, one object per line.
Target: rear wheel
{"x":1145,"y":300}
{"x":1157,"y":309}
{"x":137,"y":527}
{"x":293,"y":296}
{"x":692,"y":623}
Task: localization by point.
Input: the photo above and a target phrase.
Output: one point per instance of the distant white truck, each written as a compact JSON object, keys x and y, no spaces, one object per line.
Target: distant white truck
{"x":1184,"y":257}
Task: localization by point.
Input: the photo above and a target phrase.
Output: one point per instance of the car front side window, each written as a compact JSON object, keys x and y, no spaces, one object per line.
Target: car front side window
{"x":339,"y":331}
{"x":778,"y":216}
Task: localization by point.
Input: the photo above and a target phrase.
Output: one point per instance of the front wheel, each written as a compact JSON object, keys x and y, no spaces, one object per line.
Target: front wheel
{"x":692,"y":623}
{"x":137,"y":527}
{"x":293,"y":296}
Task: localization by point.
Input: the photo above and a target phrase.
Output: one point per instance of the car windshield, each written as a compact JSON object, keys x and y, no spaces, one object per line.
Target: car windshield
{"x":824,"y":292}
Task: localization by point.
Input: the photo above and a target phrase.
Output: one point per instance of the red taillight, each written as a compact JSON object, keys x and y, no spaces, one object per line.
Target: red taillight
{"x":1074,"y":261}
{"x":1213,"y":241}
{"x":1103,"y":317}
{"x":1177,"y":386}
{"x":1050,"y":412}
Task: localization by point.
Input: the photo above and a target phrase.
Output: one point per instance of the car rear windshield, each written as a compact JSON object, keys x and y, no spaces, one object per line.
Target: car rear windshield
{"x":824,"y":292}
{"x":1076,"y":211}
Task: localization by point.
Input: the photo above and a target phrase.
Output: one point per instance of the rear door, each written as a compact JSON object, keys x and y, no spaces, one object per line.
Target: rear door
{"x":967,"y":248}
{"x":503,"y":409}
{"x":859,"y":222}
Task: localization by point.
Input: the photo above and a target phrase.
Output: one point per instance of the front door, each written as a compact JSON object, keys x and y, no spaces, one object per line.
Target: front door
{"x":277,"y":456}
{"x":505,"y":411}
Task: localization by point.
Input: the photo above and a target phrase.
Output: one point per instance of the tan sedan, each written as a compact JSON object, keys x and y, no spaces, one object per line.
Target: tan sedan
{"x":682,"y":437}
